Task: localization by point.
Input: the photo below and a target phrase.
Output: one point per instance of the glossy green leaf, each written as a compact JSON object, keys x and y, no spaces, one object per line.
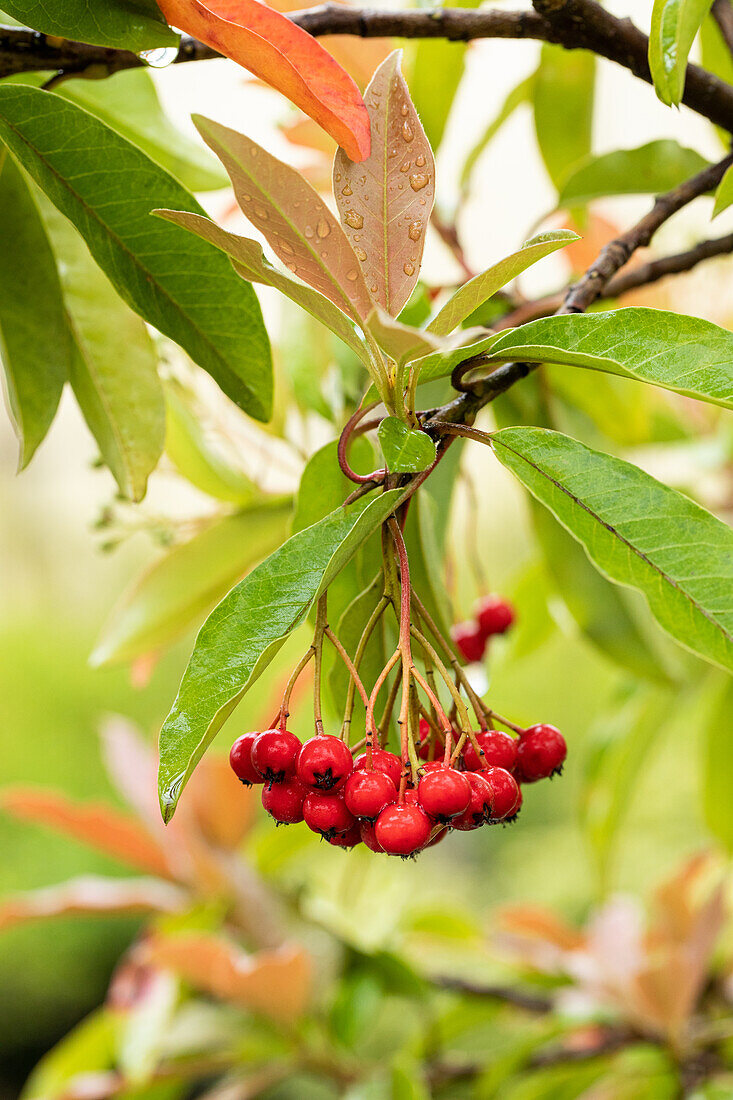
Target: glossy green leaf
{"x":128,"y":102}
{"x":464,"y":344}
{"x":251,"y":263}
{"x":349,"y":629}
{"x":194,"y":456}
{"x":123,"y":24}
{"x":107,"y":188}
{"x":175,"y":593}
{"x":293,"y":218}
{"x":36,"y":345}
{"x":517,"y":97}
{"x":717,"y":785}
{"x":244,"y":632}
{"x":684,"y":354}
{"x":637,"y":531}
{"x":477,"y":290}
{"x":114,"y":371}
{"x":675,"y":24}
{"x":724,"y":194}
{"x":88,"y":1048}
{"x":647,"y":170}
{"x":406,"y":450}
{"x":427,"y":573}
{"x":563,"y":88}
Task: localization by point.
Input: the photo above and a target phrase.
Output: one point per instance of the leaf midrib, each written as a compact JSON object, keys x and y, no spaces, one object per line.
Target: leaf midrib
{"x":613,"y":531}
{"x":131,"y":255}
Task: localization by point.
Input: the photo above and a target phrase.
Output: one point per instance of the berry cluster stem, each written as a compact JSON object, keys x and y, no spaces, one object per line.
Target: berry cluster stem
{"x":321,"y":627}
{"x":358,"y":655}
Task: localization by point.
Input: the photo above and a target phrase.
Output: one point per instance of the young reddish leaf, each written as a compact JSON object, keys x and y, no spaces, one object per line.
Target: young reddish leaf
{"x":283,"y":55}
{"x":223,"y":810}
{"x":103,"y":828}
{"x":273,"y":982}
{"x":92,"y":894}
{"x":385,"y":203}
{"x":292,"y":217}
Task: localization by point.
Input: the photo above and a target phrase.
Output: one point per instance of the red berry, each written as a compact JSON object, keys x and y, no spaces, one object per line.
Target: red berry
{"x":402,"y":829}
{"x":349,"y":839}
{"x":542,"y":752}
{"x":443,"y":793}
{"x":324,"y":763}
{"x":326,"y":814}
{"x":478,"y":810}
{"x":382,"y":761}
{"x":493,"y":615}
{"x":367,"y":793}
{"x":411,"y":796}
{"x":505,"y":793}
{"x":440,"y":835}
{"x":240,"y":759}
{"x":284,"y":801}
{"x":429,"y":744}
{"x":513,"y":816}
{"x":369,"y":836}
{"x":275,"y":755}
{"x":470,"y":641}
{"x":500,"y":751}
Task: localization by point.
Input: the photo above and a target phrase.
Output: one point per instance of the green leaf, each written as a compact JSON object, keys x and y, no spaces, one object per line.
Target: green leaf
{"x":176,"y":592}
{"x":128,"y":102}
{"x":122,"y":24}
{"x":406,"y":450}
{"x":479,"y":289}
{"x":193,"y":455}
{"x":646,"y":170}
{"x":684,"y":354}
{"x":349,"y":630}
{"x":607,"y":615}
{"x":563,"y":108}
{"x":427,"y":571}
{"x":675,"y":24}
{"x":245,"y":631}
{"x":400,"y":342}
{"x":724,"y":194}
{"x":36,"y":345}
{"x":250,"y":262}
{"x":88,"y":1048}
{"x":517,"y":97}
{"x":464,"y":344}
{"x":114,"y":371}
{"x":717,"y":785}
{"x":637,"y":531}
{"x":293,"y":218}
{"x":107,"y":187}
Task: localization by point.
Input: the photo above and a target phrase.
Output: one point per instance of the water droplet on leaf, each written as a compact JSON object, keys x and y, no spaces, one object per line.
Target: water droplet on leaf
{"x":352,"y":274}
{"x":407,"y":133}
{"x":354,"y":220}
{"x":346,"y":190}
{"x":414,"y":231}
{"x":360,"y":254}
{"x":309,"y":231}
{"x":418,"y":181}
{"x":420,"y":161}
{"x":409,"y":269}
{"x":323,"y":228}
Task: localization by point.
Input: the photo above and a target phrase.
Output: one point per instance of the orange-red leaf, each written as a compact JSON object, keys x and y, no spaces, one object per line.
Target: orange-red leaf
{"x":105,"y":829}
{"x":283,"y":55}
{"x":273,"y":982}
{"x":90,"y":895}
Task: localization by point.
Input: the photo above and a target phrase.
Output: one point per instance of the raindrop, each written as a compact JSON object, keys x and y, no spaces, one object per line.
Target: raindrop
{"x":409,"y":269}
{"x":323,"y":228}
{"x":360,"y":254}
{"x":254,"y":151}
{"x":357,"y":236}
{"x":407,"y":131}
{"x":420,"y":161}
{"x":403,"y":110}
{"x":337,"y":177}
{"x":323,"y":255}
{"x":260,"y":212}
{"x":405,"y":166}
{"x":354,"y":220}
{"x":246,"y":198}
{"x":351,"y":275}
{"x":418,"y":181}
{"x":346,"y":190}
{"x":160,"y":58}
{"x":287,"y":248}
{"x":292,"y":267}
{"x":414,"y":231}
{"x":309,"y":231}
{"x":373,"y":288}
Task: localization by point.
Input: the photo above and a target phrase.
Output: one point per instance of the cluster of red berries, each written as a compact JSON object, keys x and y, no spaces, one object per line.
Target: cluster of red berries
{"x":492,"y":615}
{"x":357,"y":800}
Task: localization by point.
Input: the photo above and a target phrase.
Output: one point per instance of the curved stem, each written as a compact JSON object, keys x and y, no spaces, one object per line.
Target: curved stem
{"x":360,"y":650}
{"x":388,"y":708}
{"x":321,"y":625}
{"x":376,"y":476}
{"x":404,"y":648}
{"x":285,"y":705}
{"x":355,"y":678}
{"x":371,"y":730}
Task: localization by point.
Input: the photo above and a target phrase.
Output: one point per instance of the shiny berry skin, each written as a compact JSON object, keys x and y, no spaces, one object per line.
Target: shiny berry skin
{"x":515,"y":814}
{"x":440,"y":835}
{"x":382,"y":761}
{"x":444,"y":793}
{"x":349,"y":839}
{"x":240,"y":759}
{"x":469,"y":641}
{"x":327,"y":814}
{"x":367,"y":793}
{"x":369,"y":836}
{"x":542,"y":752}
{"x":324,"y":763}
{"x":478,"y":810}
{"x":500,"y":751}
{"x":275,"y":755}
{"x":402,"y":829}
{"x":493,"y":615}
{"x":505,"y":793}
{"x":284,"y":801}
